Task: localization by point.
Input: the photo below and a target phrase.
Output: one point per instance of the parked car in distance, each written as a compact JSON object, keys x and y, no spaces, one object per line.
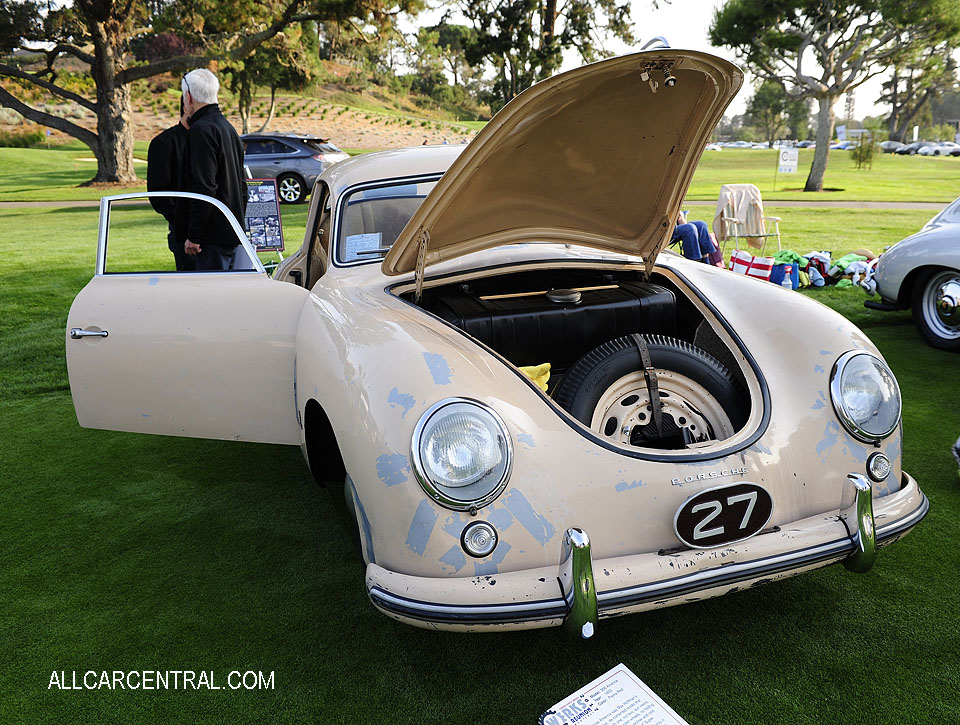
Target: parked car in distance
{"x":680,"y":446}
{"x":713,"y":147}
{"x":922,"y":274}
{"x":806,"y":144}
{"x":890,"y":146}
{"x":843,"y":145}
{"x":941,"y":148}
{"x":294,"y":160}
{"x":911,"y":148}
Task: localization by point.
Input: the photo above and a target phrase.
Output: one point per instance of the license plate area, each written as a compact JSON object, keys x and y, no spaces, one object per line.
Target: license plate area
{"x":723,"y":515}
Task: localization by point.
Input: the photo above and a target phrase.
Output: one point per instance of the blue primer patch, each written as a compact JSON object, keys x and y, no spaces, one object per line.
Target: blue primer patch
{"x":144,"y":415}
{"x":826,"y":352}
{"x":153,"y":281}
{"x":402,"y":399}
{"x":624,"y":486}
{"x":490,"y":566}
{"x":500,"y":518}
{"x":454,"y":558}
{"x":438,"y":368}
{"x":760,"y":448}
{"x":821,"y":402}
{"x":527,"y":439}
{"x":421,"y":527}
{"x":454,"y":525}
{"x":859,"y":453}
{"x":391,"y":467}
{"x":819,"y":369}
{"x":830,"y":434}
{"x":538,"y":526}
{"x":364,"y":521}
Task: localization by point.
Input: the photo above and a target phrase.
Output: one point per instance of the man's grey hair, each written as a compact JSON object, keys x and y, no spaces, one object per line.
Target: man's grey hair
{"x":202,"y":85}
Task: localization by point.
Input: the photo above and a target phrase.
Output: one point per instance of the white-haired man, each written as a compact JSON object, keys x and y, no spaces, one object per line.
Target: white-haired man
{"x":212,"y":165}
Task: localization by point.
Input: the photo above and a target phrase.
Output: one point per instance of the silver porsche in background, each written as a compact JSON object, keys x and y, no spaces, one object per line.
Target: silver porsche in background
{"x":922,"y":273}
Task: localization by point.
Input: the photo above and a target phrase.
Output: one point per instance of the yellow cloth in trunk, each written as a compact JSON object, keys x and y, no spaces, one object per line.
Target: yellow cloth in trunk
{"x":539,"y":374}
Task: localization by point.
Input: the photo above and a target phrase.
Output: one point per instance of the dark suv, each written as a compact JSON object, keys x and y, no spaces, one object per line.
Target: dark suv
{"x":294,"y":160}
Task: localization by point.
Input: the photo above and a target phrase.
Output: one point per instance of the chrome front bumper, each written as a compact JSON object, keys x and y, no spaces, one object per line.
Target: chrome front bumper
{"x":551,"y":596}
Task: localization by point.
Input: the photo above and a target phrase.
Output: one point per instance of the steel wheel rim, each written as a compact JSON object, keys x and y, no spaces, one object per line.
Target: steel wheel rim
{"x":940,"y":305}
{"x":289,"y":189}
{"x":682,"y":397}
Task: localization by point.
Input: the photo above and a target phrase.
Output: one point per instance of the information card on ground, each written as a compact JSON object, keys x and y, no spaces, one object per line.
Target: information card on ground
{"x":618,"y":697}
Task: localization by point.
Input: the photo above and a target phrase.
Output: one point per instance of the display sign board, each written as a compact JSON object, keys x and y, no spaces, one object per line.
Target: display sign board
{"x":789,"y":158}
{"x":618,"y":697}
{"x":262,"y":220}
{"x":842,"y":132}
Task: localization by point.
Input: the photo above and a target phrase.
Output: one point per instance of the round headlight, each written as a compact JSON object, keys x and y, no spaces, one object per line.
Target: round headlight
{"x":462,"y":453}
{"x":865,"y":395}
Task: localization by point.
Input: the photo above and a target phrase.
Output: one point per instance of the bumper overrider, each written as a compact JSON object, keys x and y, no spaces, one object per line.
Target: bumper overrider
{"x":580,"y":590}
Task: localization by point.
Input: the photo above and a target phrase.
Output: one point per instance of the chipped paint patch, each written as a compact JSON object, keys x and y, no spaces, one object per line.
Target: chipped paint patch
{"x":403,"y":400}
{"x":538,"y":526}
{"x":490,"y":566}
{"x":454,"y":558}
{"x":144,"y":415}
{"x":858,"y":453}
{"x":454,"y":525}
{"x":438,"y":368}
{"x":825,"y":352}
{"x":392,"y":468}
{"x":821,"y":401}
{"x":760,"y":448}
{"x":624,"y":486}
{"x":819,"y":369}
{"x":500,"y":518}
{"x":829,"y":440}
{"x":153,"y":281}
{"x":421,"y":527}
{"x":526,"y":439}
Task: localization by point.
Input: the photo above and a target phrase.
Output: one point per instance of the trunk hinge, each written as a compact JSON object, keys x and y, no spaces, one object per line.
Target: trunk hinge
{"x":650,"y":375}
{"x":421,"y":261}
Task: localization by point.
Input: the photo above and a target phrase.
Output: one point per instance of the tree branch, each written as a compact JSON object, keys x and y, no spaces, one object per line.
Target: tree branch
{"x":60,"y":48}
{"x":46,"y":119}
{"x":12,"y":72}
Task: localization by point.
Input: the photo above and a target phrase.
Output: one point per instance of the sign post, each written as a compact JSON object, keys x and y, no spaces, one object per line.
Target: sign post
{"x":787,"y":161}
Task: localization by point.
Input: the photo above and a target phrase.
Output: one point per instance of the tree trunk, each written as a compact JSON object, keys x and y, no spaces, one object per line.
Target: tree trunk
{"x":273,"y":107}
{"x":825,"y":121}
{"x":245,"y":102}
{"x":114,"y":153}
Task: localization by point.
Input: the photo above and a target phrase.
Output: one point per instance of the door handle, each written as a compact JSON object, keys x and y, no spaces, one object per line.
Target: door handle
{"x":76,"y":333}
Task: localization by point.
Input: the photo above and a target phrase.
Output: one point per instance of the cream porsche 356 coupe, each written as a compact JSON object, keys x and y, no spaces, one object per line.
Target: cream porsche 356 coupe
{"x":699,"y":431}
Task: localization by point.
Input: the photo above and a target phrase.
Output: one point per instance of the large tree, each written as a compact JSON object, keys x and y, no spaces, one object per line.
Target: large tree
{"x":767,"y":109}
{"x":99,"y":33}
{"x":821,"y":49}
{"x":523,"y":40}
{"x":915,"y":83}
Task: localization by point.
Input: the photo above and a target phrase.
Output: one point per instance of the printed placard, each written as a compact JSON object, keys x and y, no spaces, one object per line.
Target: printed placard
{"x":617,"y":697}
{"x":262,"y":220}
{"x":789,"y":159}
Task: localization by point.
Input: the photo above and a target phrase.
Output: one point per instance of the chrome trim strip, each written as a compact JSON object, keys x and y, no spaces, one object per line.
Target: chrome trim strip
{"x":617,"y":599}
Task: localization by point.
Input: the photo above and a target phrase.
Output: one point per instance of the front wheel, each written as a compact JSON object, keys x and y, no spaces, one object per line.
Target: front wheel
{"x":700,"y":399}
{"x":291,"y":188}
{"x":936,"y":308}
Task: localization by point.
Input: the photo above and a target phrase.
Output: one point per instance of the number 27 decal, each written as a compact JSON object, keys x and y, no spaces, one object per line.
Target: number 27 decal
{"x":723,"y":515}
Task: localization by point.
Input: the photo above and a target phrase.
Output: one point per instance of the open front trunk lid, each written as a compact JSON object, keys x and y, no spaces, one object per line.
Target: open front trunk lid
{"x":601,"y":156}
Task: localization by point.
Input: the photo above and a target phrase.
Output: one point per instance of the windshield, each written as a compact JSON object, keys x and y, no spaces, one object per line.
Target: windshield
{"x":372,"y":219}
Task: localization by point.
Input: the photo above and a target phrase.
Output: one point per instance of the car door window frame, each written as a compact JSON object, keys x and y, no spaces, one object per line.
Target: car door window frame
{"x":106,"y":203}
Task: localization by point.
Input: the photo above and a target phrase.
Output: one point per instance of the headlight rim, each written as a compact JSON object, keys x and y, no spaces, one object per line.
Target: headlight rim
{"x":433,"y":491}
{"x":836,"y":396}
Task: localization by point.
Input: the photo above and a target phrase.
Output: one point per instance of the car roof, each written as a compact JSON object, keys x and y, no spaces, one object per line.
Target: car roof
{"x":392,"y":164}
{"x":288,"y":136}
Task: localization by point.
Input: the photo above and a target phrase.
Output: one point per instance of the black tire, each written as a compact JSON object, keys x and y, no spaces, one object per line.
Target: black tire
{"x":291,"y":188}
{"x":938,"y":325}
{"x":592,"y":379}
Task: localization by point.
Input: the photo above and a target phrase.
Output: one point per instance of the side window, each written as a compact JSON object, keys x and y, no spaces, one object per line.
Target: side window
{"x":253,"y":148}
{"x":279,"y":147}
{"x":371,"y":219}
{"x":138,"y":235}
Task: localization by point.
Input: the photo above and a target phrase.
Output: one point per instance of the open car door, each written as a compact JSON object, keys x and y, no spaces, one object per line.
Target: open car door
{"x":198,"y":354}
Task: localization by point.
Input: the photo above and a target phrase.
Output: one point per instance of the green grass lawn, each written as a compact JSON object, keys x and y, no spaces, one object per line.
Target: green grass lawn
{"x":134,"y":552}
{"x":41,"y":174}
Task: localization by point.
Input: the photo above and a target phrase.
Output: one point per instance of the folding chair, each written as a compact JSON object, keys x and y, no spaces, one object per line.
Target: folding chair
{"x":740,"y":215}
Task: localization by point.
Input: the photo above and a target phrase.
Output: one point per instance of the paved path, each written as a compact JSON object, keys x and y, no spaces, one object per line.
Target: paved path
{"x":932,"y":206}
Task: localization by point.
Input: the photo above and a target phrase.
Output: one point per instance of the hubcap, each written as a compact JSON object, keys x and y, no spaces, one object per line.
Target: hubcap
{"x":690,"y":415}
{"x":941,"y":305}
{"x":289,"y":189}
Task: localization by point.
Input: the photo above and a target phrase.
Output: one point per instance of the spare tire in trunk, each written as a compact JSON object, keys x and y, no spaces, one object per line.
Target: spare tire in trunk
{"x":700,"y":401}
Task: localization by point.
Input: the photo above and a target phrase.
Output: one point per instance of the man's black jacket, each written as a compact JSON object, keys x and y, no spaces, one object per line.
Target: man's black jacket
{"x":163,"y":167}
{"x":213,"y":165}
